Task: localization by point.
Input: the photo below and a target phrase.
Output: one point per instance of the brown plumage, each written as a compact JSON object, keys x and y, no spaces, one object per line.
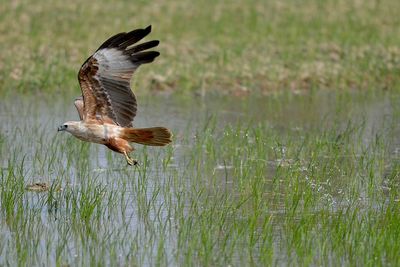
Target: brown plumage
{"x":107,"y":106}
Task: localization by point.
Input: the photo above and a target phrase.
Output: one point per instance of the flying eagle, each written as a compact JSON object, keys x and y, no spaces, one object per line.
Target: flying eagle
{"x":107,"y":105}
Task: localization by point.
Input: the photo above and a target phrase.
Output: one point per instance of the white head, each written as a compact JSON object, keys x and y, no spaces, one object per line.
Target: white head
{"x":70,"y":126}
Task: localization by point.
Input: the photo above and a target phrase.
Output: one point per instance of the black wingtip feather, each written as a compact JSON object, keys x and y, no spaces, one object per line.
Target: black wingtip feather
{"x":144,"y":57}
{"x":123,"y":40}
{"x":143,"y":46}
{"x":132,"y":37}
{"x":110,"y":40}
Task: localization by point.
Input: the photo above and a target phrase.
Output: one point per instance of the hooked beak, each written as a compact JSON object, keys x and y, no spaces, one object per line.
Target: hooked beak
{"x":61,"y":128}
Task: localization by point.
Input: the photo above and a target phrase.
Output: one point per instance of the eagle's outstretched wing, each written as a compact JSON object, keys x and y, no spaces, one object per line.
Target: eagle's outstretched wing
{"x":105,"y":77}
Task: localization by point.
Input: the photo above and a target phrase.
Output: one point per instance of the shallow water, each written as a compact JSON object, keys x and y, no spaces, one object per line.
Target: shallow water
{"x":138,"y":221}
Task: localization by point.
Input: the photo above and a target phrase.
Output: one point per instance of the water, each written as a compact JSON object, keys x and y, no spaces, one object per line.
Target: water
{"x":136,"y":211}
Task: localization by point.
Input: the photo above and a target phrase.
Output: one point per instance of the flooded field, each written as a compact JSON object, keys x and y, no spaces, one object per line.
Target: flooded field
{"x":277,"y":180}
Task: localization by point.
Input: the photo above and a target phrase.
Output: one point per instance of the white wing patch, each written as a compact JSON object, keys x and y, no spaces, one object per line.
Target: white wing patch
{"x":114,"y":64}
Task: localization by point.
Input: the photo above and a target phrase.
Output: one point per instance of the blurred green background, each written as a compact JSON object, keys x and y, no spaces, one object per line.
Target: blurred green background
{"x":232,"y":47}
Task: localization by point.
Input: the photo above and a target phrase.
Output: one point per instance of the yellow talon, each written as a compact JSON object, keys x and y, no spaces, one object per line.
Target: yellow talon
{"x":129,"y":160}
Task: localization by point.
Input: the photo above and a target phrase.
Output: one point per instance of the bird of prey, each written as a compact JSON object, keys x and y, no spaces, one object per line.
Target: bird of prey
{"x":107,"y":105}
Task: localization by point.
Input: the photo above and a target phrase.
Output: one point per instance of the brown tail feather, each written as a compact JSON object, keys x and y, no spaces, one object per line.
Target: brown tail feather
{"x":156,"y":136}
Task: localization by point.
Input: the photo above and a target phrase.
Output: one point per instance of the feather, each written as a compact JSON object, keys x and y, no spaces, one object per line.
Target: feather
{"x":105,"y":76}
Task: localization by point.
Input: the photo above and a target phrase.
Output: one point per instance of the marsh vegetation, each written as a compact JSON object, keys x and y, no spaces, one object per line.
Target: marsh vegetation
{"x":256,"y":181}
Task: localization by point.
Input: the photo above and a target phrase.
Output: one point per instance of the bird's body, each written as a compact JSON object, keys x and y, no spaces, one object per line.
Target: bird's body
{"x":107,"y":105}
{"x":92,"y":131}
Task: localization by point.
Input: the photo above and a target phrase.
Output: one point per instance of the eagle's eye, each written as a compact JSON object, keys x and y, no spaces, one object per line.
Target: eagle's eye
{"x":65,"y":126}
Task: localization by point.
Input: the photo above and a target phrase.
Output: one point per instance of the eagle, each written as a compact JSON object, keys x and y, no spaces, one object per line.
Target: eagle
{"x":107,"y":105}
